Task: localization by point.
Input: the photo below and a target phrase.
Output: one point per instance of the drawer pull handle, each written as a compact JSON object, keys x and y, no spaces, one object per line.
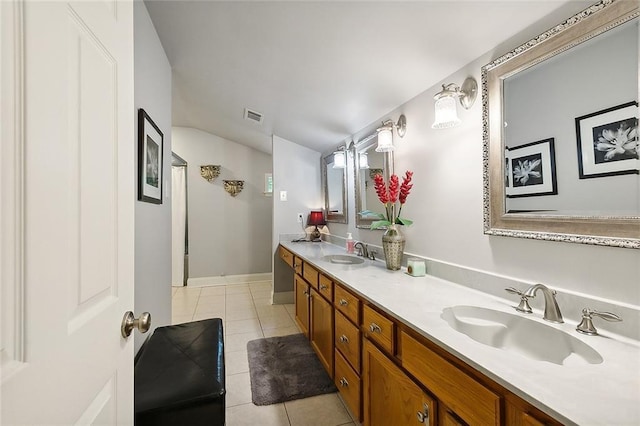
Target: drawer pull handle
{"x":423,"y":416}
{"x":343,"y":382}
{"x":323,"y":287}
{"x":343,"y":302}
{"x":344,"y":339}
{"x":375,"y":328}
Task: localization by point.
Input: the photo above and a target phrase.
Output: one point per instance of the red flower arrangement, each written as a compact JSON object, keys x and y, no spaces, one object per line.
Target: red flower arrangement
{"x":389,"y":195}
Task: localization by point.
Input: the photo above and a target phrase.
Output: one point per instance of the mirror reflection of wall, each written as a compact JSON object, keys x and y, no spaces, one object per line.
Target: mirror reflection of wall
{"x":334,"y":186}
{"x":592,"y":86}
{"x":367,"y":163}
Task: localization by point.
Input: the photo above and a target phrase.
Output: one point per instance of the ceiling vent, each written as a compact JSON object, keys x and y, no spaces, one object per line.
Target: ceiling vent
{"x":253,"y":116}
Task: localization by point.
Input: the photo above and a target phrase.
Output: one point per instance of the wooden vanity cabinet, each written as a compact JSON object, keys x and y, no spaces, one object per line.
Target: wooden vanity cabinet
{"x":386,"y":372}
{"x":348,"y":349}
{"x":390,"y":397}
{"x":321,"y":329}
{"x":302,"y":298}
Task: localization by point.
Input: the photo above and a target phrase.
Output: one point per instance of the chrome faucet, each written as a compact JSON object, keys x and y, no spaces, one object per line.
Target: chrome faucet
{"x":551,"y":308}
{"x":362,"y":249}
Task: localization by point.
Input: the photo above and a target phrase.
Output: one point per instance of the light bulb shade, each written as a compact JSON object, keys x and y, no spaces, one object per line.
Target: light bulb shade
{"x":316,"y":218}
{"x":339,"y":160}
{"x":363,"y":160}
{"x":385,"y":140}
{"x":446,"y":113}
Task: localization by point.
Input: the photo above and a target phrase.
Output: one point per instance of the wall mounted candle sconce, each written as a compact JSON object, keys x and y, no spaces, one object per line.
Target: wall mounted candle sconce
{"x":446,"y":112}
{"x":233,"y":187}
{"x":210,"y":172}
{"x":385,"y":133}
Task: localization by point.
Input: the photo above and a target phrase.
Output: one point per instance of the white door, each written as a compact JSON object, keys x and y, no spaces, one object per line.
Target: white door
{"x":69,"y":195}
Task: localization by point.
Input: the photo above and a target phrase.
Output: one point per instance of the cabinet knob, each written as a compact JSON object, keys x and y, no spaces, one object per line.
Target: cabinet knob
{"x":344,"y":339}
{"x":343,"y":382}
{"x":343,"y":302}
{"x":423,"y":416}
{"x":306,"y":293}
{"x":375,"y":328}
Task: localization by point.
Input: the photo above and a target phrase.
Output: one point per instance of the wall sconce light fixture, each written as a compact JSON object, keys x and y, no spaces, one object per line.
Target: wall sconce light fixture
{"x":340,"y":159}
{"x":446,"y":112}
{"x":210,"y":172}
{"x":385,"y":133}
{"x":363,"y":160}
{"x":233,"y":187}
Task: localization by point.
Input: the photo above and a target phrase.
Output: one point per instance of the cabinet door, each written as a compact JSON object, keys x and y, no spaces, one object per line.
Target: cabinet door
{"x":302,"y":304}
{"x":390,"y":397}
{"x":322,"y":330}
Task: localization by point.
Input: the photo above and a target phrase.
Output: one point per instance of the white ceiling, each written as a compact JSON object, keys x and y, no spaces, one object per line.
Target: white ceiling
{"x":320,"y":71}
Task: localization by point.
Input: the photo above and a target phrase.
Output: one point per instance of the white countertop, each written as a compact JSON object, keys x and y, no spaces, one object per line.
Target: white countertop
{"x":585,"y":394}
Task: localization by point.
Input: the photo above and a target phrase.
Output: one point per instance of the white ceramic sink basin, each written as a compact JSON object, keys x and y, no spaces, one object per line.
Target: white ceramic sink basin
{"x":519,"y":334}
{"x":344,"y":259}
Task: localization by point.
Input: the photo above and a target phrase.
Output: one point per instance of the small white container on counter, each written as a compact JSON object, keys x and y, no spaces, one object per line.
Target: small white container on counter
{"x":416,"y":267}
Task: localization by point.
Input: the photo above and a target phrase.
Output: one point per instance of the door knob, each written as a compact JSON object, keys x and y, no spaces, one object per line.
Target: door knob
{"x":129,"y":322}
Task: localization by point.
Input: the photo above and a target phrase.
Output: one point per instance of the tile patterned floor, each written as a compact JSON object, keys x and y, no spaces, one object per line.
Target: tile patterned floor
{"x":248,"y":314}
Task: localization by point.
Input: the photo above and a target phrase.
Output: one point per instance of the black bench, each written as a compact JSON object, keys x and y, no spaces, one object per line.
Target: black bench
{"x":180,"y":376}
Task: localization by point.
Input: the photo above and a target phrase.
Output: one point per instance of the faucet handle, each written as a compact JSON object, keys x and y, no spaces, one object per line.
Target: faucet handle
{"x":523,"y":306}
{"x":586,"y":325}
{"x":372,"y":254}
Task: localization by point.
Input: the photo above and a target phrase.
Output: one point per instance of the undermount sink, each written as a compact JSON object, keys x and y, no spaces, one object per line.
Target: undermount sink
{"x":519,"y":334}
{"x":344,"y":259}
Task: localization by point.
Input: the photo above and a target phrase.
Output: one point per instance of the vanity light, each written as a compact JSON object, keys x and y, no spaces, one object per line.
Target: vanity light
{"x":385,"y":133}
{"x":446,"y":112}
{"x":339,"y":159}
{"x":363,"y":160}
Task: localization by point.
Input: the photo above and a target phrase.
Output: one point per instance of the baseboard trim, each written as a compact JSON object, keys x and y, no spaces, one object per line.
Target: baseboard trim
{"x":228,"y":280}
{"x":282,"y":297}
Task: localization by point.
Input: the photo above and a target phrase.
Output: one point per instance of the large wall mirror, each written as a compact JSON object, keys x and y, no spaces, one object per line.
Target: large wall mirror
{"x":560,"y":113}
{"x":367,"y":163}
{"x":334,"y":188}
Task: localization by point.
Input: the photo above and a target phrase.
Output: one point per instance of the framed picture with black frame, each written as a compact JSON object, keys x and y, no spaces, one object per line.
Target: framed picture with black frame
{"x":150,"y":154}
{"x":608,"y":142}
{"x":531,"y":169}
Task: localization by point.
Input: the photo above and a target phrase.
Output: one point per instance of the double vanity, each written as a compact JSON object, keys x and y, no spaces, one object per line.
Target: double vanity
{"x":409,"y":350}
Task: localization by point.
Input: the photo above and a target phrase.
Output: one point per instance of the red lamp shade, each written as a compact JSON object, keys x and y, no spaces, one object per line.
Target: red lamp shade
{"x":316,"y":218}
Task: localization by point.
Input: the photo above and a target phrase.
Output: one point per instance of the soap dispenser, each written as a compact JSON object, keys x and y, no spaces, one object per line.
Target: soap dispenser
{"x":350,"y":244}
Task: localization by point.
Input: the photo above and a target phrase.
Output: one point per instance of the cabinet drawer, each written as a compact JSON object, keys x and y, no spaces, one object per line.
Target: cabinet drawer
{"x":476,"y":404}
{"x":378,"y":328}
{"x":347,"y":341}
{"x":297,"y":265}
{"x":286,"y":255}
{"x":349,"y":385}
{"x":310,"y":274}
{"x":346,"y":303}
{"x":325,"y":287}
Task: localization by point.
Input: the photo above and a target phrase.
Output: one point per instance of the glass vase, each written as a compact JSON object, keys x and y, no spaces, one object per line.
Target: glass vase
{"x":393,"y":247}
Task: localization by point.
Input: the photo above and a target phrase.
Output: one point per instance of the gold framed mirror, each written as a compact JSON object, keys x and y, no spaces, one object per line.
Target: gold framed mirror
{"x":560,"y":132}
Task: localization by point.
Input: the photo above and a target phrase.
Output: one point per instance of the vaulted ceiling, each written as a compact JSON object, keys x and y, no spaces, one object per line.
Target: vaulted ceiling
{"x":319,"y":71}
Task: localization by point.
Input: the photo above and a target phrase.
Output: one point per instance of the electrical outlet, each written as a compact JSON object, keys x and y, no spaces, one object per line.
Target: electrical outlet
{"x":300,"y":218}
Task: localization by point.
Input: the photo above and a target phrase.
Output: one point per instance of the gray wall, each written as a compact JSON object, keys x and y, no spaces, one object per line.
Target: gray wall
{"x":446,"y":206}
{"x":152,"y":221}
{"x":296,"y":169}
{"x":227,"y":235}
